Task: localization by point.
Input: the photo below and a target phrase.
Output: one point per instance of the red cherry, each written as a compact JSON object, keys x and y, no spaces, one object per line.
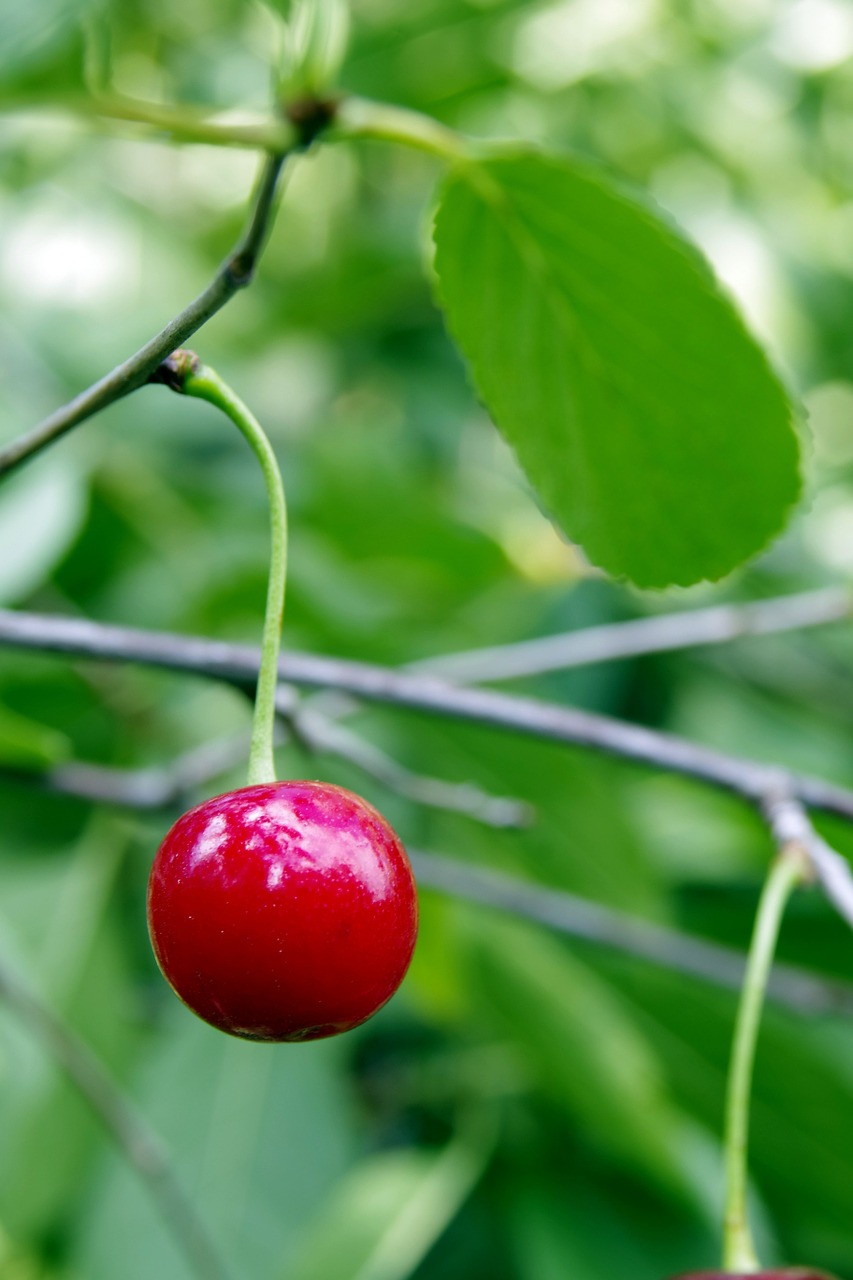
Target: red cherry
{"x":283,"y":911}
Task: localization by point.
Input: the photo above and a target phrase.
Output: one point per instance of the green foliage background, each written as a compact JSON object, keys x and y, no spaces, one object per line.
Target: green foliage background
{"x":525,"y":1109}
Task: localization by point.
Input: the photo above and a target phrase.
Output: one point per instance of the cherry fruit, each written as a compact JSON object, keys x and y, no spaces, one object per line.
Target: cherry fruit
{"x":283,"y":911}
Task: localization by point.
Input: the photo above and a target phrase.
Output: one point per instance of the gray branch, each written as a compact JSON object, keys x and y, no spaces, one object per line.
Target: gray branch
{"x":170,"y":785}
{"x":142,"y":1149}
{"x":790,"y":825}
{"x":173,"y":784}
{"x":320,"y":732}
{"x":157,"y":787}
{"x":617,"y":931}
{"x":617,"y":640}
{"x":238,"y":664}
{"x":234,"y":274}
{"x":752,"y":780}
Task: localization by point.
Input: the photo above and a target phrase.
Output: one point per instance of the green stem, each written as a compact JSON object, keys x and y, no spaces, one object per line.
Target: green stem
{"x":201,"y":381}
{"x":234,"y":274}
{"x":362,"y":118}
{"x":350,"y":117}
{"x":789,"y":869}
{"x":184,"y":124}
{"x":251,"y":131}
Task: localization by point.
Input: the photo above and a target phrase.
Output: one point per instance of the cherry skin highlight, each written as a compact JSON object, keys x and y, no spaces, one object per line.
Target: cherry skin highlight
{"x":283,"y":911}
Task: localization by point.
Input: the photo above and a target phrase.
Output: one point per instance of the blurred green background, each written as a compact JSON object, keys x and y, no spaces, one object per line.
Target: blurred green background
{"x":526,"y":1108}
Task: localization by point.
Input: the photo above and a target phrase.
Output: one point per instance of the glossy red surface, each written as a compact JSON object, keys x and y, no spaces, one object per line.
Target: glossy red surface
{"x":285,"y":911}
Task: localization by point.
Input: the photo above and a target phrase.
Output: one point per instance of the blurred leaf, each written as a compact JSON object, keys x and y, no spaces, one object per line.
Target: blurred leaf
{"x":642,"y":411}
{"x":588,"y":1232}
{"x":41,"y":511}
{"x":802,"y":1105}
{"x":27,"y":743}
{"x":582,"y":839}
{"x":32,"y":31}
{"x":315,"y":41}
{"x":583,"y":1046}
{"x":391,"y":1209}
{"x":260,"y":1133}
{"x":57,"y":934}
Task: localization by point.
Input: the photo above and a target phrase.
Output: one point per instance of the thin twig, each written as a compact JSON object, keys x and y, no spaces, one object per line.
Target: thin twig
{"x":108,"y":111}
{"x":383,"y":122}
{"x":354,"y":118}
{"x":141,"y":1147}
{"x":156,"y":787}
{"x":790,"y":825}
{"x":617,"y":931}
{"x":320,"y":733}
{"x":238,"y":664}
{"x":167,"y":786}
{"x":171,"y":785}
{"x":234,"y":274}
{"x":244,"y":129}
{"x":617,"y":640}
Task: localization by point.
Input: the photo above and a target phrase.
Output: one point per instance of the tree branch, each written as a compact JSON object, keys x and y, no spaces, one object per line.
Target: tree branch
{"x":789,"y":824}
{"x":383,"y":122}
{"x":355,"y":118}
{"x":142,"y":1149}
{"x":320,"y":733}
{"x":617,"y":931}
{"x":642,"y":635}
{"x":171,"y":785}
{"x":234,"y":274}
{"x":238,"y":665}
{"x":183,"y":124}
{"x":752,"y":780}
{"x":158,"y":787}
{"x":278,"y":137}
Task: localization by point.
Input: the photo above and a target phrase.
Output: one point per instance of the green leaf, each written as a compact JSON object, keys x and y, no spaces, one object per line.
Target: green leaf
{"x":41,"y":511}
{"x":28,"y":744}
{"x":259,"y":1137}
{"x":551,"y":1244}
{"x":30,"y":32}
{"x":391,"y":1209}
{"x":57,"y":935}
{"x":583,"y":1048}
{"x":644,"y":414}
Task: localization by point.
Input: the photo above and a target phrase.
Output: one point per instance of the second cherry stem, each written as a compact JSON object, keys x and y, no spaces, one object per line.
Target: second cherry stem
{"x":201,"y":381}
{"x":789,"y":869}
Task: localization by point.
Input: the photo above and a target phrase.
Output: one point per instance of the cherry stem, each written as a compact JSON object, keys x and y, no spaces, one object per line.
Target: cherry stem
{"x":790,"y":868}
{"x":201,"y":381}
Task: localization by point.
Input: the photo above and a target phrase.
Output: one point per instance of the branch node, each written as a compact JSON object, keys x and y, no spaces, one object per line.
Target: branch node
{"x":136,"y":370}
{"x":311,"y":116}
{"x":175,"y":369}
{"x":793,"y":832}
{"x":240,"y":268}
